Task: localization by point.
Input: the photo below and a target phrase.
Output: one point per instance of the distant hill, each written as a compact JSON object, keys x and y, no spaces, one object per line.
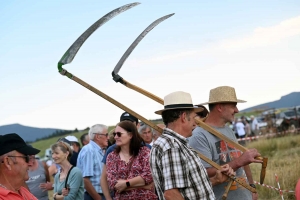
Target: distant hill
{"x":26,"y":132}
{"x":290,"y":100}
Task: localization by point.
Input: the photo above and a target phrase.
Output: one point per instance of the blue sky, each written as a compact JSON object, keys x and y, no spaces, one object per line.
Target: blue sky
{"x":253,"y":46}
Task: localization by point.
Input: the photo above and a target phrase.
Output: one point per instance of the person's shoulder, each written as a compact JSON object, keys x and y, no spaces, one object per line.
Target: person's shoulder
{"x":145,"y":149}
{"x":163,"y":143}
{"x":76,"y":170}
{"x":111,"y":148}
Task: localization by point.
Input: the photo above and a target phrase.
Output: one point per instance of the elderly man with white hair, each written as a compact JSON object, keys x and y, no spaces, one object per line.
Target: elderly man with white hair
{"x":89,"y":161}
{"x":146,"y":133}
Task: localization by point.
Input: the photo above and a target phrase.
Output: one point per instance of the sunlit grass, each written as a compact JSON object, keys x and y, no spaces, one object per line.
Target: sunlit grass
{"x":284,"y":160}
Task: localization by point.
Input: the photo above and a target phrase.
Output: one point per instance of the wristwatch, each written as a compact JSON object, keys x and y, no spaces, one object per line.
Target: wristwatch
{"x":252,"y":185}
{"x":127,"y":183}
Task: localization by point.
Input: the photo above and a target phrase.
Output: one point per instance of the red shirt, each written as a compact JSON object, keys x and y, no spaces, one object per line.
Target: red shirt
{"x":118,"y":169}
{"x":297,"y":190}
{"x":10,"y":195}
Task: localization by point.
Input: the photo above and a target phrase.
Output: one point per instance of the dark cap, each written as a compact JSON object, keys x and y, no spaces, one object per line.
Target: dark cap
{"x":13,"y":141}
{"x":127,"y":116}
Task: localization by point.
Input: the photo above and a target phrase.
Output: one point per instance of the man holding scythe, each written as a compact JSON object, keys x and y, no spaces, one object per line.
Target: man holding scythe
{"x":222,"y":106}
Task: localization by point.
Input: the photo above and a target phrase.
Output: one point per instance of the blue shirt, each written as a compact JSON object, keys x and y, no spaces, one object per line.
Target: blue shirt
{"x":112,"y":148}
{"x":89,"y":161}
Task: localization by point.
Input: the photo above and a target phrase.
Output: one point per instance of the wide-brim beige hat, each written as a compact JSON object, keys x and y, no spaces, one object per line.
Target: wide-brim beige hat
{"x":222,"y":94}
{"x":178,"y":100}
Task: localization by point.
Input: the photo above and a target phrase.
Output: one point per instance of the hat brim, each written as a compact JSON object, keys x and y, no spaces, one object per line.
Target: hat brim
{"x":213,"y":102}
{"x":27,"y":150}
{"x":159,"y":112}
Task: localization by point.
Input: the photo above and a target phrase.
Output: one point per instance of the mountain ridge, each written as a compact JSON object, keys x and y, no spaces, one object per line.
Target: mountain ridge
{"x":28,"y":133}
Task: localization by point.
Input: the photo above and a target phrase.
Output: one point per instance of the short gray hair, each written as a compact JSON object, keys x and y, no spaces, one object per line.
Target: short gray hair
{"x":144,"y":127}
{"x":97,"y":128}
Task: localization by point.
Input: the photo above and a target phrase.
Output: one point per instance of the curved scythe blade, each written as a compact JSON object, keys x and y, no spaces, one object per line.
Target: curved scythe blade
{"x":71,"y":52}
{"x":136,"y":42}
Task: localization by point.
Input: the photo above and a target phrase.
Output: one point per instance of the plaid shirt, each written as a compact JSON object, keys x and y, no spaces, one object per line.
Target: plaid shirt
{"x":175,"y":165}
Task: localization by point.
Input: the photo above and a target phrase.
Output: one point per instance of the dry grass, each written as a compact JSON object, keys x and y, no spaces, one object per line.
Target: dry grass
{"x":284,"y":160}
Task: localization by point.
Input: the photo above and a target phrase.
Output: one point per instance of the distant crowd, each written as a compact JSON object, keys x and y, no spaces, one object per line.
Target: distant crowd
{"x":134,"y":161}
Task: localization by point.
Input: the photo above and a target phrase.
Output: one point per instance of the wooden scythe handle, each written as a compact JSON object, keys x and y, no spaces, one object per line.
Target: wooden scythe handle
{"x":144,"y":92}
{"x":116,"y":103}
{"x":263,"y":170}
{"x":224,"y":197}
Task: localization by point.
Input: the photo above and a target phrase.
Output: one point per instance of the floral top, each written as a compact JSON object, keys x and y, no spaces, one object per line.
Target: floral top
{"x":118,"y":169}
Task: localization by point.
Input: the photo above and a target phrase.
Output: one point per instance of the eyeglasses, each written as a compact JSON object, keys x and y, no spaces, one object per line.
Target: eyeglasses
{"x":27,"y":158}
{"x":117,"y":133}
{"x":106,"y":134}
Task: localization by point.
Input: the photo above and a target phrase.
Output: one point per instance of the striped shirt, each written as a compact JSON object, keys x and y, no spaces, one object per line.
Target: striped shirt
{"x":175,"y":165}
{"x":89,"y":161}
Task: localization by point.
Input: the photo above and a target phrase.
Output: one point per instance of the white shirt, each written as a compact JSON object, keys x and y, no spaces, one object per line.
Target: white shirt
{"x":240,"y":128}
{"x":254,"y":124}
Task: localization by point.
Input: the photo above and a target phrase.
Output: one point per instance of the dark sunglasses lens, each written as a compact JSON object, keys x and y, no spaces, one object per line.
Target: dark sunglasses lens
{"x":117,"y":133}
{"x":27,"y":159}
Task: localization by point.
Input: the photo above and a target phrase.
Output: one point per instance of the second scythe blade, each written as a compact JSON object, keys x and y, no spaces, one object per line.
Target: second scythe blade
{"x":71,"y":52}
{"x":136,"y":42}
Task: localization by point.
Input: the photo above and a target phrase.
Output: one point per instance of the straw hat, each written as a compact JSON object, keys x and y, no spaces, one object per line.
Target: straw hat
{"x":178,"y":100}
{"x":222,"y":94}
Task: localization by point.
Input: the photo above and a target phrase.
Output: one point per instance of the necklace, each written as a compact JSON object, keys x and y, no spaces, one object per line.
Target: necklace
{"x":3,"y":186}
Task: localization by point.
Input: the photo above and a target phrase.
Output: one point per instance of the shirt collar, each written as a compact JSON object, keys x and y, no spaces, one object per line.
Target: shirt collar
{"x":176,"y":135}
{"x":95,"y":145}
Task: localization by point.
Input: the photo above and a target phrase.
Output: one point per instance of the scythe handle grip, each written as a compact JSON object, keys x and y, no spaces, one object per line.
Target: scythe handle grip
{"x":224,"y":197}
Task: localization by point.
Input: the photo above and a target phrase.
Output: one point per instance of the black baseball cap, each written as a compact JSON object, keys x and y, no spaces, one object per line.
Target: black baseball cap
{"x":13,"y":141}
{"x":127,"y":116}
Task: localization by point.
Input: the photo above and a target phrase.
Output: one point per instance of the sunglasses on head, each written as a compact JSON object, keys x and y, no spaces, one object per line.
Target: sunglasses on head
{"x":119,"y":134}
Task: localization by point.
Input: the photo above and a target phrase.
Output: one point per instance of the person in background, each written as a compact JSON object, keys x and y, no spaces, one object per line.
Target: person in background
{"x":297,"y":190}
{"x":240,"y":130}
{"x":254,"y":126}
{"x":14,"y":158}
{"x":146,"y":133}
{"x":89,"y":161}
{"x":39,"y":178}
{"x":68,"y":182}
{"x":204,"y":113}
{"x":128,"y":168}
{"x":84,"y":139}
{"x":111,"y":138}
{"x":247,"y":126}
{"x":76,"y":148}
{"x":156,"y":134}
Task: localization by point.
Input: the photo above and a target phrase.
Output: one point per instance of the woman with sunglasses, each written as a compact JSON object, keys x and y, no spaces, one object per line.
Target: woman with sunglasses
{"x":128,"y":169}
{"x":68,"y":182}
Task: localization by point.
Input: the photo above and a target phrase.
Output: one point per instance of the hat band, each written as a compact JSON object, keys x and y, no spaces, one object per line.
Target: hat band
{"x":179,"y":106}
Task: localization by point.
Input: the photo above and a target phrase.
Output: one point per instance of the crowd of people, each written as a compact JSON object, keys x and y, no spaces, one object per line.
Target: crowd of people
{"x":133,"y":161}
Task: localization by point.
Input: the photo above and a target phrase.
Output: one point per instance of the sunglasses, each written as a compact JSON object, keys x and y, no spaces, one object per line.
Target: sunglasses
{"x":27,"y":158}
{"x":119,"y":134}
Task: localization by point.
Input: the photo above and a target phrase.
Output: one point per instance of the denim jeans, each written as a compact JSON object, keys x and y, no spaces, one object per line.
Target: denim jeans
{"x":88,"y":197}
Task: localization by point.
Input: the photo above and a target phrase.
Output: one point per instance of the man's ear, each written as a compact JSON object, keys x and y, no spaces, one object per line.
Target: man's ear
{"x":183,"y":117}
